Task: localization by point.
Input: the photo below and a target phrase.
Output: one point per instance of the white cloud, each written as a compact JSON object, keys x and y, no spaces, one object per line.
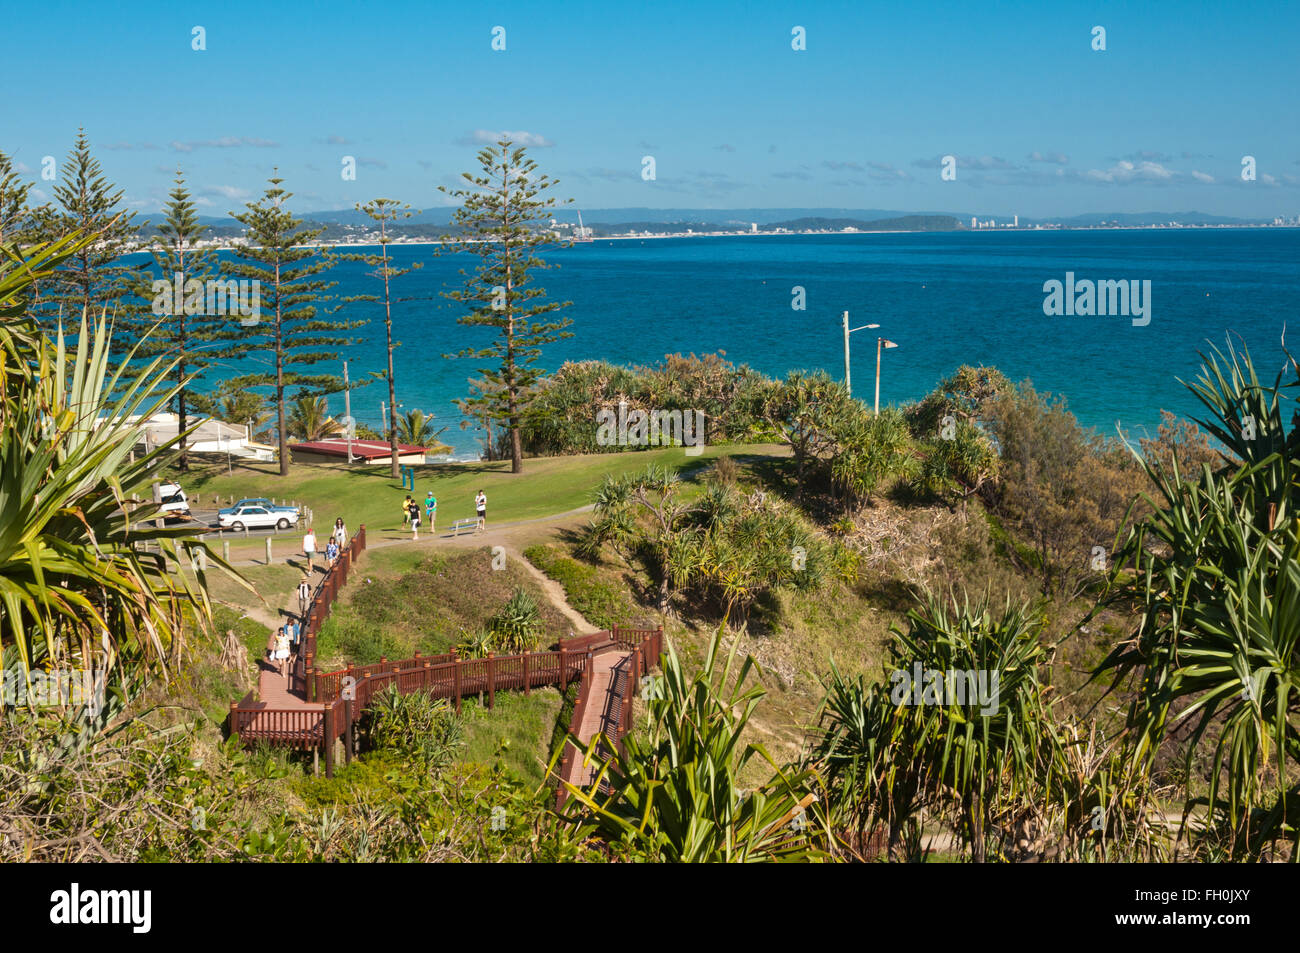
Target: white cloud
{"x":1058,"y":158}
{"x":1126,"y":171}
{"x":234,"y":193}
{"x":225,"y":142}
{"x":485,"y":137}
{"x":1202,"y":177}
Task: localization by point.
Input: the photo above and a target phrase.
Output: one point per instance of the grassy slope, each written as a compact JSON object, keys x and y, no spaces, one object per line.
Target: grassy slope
{"x":369,"y":495}
{"x":793,"y":638}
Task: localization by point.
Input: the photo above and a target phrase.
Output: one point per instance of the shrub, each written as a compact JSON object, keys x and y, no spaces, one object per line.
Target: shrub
{"x":518,"y":626}
{"x":416,"y":723}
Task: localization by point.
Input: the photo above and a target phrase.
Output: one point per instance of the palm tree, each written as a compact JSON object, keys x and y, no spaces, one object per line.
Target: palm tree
{"x":79,"y":586}
{"x":246,"y":407}
{"x":415,"y":429}
{"x":310,"y":419}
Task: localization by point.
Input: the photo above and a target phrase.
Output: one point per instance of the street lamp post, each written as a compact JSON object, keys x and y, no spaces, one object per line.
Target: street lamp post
{"x":848,"y":385}
{"x":881,"y":344}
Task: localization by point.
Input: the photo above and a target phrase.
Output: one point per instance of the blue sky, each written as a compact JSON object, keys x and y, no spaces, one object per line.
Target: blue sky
{"x":1039,"y":122}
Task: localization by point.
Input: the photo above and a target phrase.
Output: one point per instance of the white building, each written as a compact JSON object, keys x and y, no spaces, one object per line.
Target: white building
{"x":212,"y":436}
{"x":973,"y":222}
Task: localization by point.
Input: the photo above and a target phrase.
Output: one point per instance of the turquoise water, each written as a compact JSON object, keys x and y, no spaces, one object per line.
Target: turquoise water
{"x":947,"y":299}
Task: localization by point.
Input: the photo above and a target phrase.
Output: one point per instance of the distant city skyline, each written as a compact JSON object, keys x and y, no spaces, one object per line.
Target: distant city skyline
{"x":1036,"y":122}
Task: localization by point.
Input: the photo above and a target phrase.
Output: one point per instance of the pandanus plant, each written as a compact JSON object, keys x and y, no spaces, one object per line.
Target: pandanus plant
{"x":975,"y":750}
{"x":675,"y":791}
{"x":86,"y":577}
{"x":1215,"y":571}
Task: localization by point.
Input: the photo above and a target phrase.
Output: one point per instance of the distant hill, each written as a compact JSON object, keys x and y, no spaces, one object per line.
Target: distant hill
{"x":432,"y":223}
{"x":1144,"y":218}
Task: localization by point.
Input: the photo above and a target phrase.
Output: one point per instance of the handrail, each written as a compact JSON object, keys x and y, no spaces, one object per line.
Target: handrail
{"x":334,"y":705}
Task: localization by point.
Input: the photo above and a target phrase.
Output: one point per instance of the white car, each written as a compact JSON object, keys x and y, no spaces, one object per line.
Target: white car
{"x":174,"y":503}
{"x":255,"y":517}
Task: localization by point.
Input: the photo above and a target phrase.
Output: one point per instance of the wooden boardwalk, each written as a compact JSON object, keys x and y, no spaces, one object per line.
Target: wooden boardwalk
{"x":603,"y":713}
{"x":309,"y":709}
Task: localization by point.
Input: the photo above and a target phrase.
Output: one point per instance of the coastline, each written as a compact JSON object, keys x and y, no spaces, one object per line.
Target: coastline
{"x":144,"y":250}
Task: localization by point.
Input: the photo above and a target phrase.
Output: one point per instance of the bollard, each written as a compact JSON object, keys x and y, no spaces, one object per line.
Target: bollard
{"x":225,"y":550}
{"x":268,"y":550}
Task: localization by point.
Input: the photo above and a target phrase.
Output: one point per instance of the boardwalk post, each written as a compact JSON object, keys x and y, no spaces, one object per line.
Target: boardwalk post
{"x":347,"y":713}
{"x":455,"y":677}
{"x":234,"y":719}
{"x":492,"y":680}
{"x":526,"y":653}
{"x":564,"y":669}
{"x":329,"y":741}
{"x":309,"y":677}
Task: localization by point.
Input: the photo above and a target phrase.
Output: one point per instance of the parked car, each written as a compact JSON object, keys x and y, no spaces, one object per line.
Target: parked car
{"x":259,"y":501}
{"x":256,"y":517}
{"x":174,"y":503}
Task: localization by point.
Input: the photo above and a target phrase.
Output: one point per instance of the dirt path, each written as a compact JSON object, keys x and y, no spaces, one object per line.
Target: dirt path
{"x":507,"y":535}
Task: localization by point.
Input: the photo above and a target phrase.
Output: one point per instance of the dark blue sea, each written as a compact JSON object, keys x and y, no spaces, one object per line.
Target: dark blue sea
{"x":945,"y":298}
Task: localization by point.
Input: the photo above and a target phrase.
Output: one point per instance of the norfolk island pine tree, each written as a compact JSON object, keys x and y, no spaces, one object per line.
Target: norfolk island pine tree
{"x":499,"y":212}
{"x":290,"y":330}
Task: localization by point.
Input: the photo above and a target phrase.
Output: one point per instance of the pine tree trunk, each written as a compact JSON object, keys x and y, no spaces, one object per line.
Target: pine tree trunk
{"x":392,"y":387}
{"x":183,"y":462}
{"x":279,"y":381}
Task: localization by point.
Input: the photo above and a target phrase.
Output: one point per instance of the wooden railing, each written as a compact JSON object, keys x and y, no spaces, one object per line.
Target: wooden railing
{"x":337,"y":699}
{"x":319,"y":609}
{"x":644,"y":647}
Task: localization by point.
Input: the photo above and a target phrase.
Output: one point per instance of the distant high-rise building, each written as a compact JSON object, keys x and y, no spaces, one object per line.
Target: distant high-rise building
{"x":753,"y":226}
{"x":1015,"y":222}
{"x":973,"y":223}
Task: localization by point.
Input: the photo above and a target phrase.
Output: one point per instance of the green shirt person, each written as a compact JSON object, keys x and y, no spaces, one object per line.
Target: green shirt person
{"x":431,"y":508}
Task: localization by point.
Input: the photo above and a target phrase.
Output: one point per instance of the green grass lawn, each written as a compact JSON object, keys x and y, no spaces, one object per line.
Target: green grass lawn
{"x":548,"y":486}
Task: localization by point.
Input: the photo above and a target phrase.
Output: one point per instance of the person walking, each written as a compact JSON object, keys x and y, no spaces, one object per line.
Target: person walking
{"x":340,"y":533}
{"x":309,"y":548}
{"x":282,"y":652}
{"x":431,"y":510}
{"x":304,"y":595}
{"x":331,"y":553}
{"x":415,"y":520}
{"x":294,"y":630}
{"x":480,"y":506}
{"x":406,"y":510}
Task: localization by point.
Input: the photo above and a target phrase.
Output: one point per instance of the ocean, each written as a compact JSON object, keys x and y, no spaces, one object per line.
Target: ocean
{"x":946,"y":299}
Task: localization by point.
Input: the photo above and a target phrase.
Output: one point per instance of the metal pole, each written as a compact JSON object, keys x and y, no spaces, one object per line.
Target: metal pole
{"x":878,"y":340}
{"x":848,"y":386}
{"x":347,"y":407}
